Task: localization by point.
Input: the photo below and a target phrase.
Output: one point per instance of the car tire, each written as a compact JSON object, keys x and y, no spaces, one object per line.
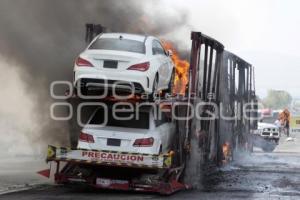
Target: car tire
{"x":83,"y":91}
{"x":82,"y":88}
{"x":171,"y":83}
{"x":269,"y":147}
{"x":73,"y":127}
{"x":160,"y":150}
{"x":154,"y":87}
{"x":73,"y":139}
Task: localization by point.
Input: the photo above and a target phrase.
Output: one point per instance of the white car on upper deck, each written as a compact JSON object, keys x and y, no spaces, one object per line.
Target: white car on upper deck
{"x":124,"y":61}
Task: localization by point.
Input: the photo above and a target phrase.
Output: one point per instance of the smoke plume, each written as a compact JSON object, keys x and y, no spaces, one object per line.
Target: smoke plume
{"x":41,"y":39}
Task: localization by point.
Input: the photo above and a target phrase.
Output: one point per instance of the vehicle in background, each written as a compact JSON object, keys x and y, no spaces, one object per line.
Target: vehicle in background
{"x":268,"y":115}
{"x":126,"y":63}
{"x":267,"y":136}
{"x":141,"y":132}
{"x":295,"y":124}
{"x":272,"y":117}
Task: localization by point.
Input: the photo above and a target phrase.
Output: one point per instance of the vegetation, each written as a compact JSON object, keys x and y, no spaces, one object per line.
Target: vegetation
{"x":277,"y":99}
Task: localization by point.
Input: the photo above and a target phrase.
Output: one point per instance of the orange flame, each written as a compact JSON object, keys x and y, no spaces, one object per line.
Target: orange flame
{"x":226,"y":152}
{"x":182,"y":69}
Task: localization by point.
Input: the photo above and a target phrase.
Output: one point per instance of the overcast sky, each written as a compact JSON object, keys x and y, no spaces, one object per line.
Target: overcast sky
{"x":264,"y":32}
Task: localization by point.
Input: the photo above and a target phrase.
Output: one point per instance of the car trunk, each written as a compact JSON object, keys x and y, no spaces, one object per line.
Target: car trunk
{"x":115,"y":138}
{"x":110,"y":60}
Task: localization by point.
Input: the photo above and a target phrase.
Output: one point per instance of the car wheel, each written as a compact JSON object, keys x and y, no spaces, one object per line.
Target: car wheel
{"x":160,"y":150}
{"x":73,"y":140}
{"x":171,"y":82}
{"x":154,"y":87}
{"x":73,"y":127}
{"x":83,"y":89}
{"x":269,"y":147}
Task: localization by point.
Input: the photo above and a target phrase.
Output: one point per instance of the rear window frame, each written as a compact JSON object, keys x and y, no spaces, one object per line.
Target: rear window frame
{"x":143,"y":49}
{"x":110,"y":117}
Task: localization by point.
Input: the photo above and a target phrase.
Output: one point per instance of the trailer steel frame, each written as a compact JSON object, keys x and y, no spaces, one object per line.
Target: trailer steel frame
{"x":215,"y":77}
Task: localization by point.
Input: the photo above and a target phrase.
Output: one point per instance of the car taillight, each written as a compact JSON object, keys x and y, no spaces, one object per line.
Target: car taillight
{"x":80,"y":62}
{"x":84,"y":137}
{"x":144,"y":142}
{"x":140,"y":67}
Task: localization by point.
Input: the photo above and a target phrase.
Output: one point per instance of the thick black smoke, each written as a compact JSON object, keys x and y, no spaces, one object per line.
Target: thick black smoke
{"x":45,"y":36}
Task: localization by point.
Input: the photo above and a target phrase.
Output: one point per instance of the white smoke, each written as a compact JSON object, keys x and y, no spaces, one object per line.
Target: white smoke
{"x":20,"y":122}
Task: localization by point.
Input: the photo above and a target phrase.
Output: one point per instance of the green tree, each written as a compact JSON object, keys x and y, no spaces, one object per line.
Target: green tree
{"x":277,"y":99}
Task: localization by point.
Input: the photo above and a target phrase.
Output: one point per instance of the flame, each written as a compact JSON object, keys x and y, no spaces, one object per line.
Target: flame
{"x":226,"y":152}
{"x":182,"y":69}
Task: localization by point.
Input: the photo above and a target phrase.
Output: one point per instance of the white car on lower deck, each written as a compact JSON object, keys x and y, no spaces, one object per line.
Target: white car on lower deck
{"x":124,"y":61}
{"x":146,"y":134}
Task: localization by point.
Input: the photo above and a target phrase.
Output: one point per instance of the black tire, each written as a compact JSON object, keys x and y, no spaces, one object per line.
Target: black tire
{"x":268,"y":148}
{"x":84,"y":91}
{"x":160,"y":150}
{"x":154,"y":87}
{"x":73,"y":127}
{"x":73,"y":137}
{"x":81,"y":89}
{"x":171,"y":83}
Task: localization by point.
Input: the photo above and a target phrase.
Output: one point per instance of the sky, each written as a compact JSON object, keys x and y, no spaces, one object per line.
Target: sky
{"x":263,"y":32}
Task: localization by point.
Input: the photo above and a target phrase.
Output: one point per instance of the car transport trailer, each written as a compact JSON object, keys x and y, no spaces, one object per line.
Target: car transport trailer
{"x":212,"y":80}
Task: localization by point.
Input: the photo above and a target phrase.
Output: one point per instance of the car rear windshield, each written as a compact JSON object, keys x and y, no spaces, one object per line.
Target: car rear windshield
{"x":139,"y":120}
{"x":119,"y":45}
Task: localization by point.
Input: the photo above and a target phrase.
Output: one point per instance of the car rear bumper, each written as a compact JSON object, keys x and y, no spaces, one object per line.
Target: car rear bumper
{"x":154,"y":149}
{"x":120,"y":81}
{"x":109,"y":158}
{"x":96,"y":84}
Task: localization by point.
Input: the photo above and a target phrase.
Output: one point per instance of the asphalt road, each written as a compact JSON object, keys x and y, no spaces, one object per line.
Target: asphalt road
{"x":258,"y":176}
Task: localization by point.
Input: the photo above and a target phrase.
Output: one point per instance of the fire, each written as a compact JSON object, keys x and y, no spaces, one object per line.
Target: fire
{"x":182,"y":69}
{"x":226,"y":152}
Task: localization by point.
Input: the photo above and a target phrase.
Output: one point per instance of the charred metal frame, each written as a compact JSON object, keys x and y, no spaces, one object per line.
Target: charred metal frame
{"x":199,"y":39}
{"x":92,"y":30}
{"x":219,"y":76}
{"x":241,"y":90}
{"x":204,"y":86}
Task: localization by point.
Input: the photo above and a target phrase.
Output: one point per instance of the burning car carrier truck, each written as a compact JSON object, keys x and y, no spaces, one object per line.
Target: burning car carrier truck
{"x":218,"y":81}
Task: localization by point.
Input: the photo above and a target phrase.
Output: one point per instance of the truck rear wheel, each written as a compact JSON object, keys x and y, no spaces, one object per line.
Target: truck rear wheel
{"x":269,"y":148}
{"x":73,"y":140}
